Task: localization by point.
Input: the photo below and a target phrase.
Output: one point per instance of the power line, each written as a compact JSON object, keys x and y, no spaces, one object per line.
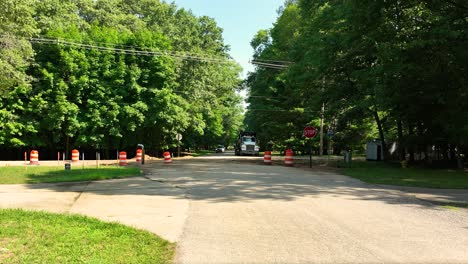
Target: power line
{"x":137,"y":51}
{"x":266,"y":96}
{"x":279,"y":65}
{"x":274,"y":61}
{"x":280,"y":110}
{"x":269,"y":65}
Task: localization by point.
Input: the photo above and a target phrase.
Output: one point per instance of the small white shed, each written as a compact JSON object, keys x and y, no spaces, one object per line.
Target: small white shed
{"x":374,"y":150}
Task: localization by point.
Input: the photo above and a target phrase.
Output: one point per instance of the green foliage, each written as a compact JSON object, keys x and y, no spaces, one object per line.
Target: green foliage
{"x":42,"y":174}
{"x":277,"y":111}
{"x":67,"y":96}
{"x":390,"y":70}
{"x":16,"y":22}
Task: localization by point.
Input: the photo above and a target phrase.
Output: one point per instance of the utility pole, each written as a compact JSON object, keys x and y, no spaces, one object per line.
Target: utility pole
{"x":322,"y":116}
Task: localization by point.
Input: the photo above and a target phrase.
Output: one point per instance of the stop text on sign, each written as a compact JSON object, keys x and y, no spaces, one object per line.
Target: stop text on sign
{"x":310,"y":132}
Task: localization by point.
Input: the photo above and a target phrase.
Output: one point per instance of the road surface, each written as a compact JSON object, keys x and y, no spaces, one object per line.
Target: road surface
{"x":248,"y":213}
{"x":227,"y":209}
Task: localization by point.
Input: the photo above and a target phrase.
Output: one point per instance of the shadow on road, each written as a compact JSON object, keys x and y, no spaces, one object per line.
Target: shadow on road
{"x":228,"y":180}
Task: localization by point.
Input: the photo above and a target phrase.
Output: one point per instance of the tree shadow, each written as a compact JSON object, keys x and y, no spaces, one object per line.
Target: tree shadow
{"x":225,"y":180}
{"x":76,"y":175}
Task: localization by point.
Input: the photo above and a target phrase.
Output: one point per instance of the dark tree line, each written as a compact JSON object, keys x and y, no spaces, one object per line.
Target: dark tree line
{"x":388,"y":70}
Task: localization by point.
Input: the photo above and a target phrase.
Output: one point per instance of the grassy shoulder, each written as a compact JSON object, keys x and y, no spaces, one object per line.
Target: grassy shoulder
{"x":381,"y":173}
{"x":199,"y":153}
{"x":455,"y":206}
{"x":43,"y":174}
{"x":39,"y":237}
{"x":273,"y":153}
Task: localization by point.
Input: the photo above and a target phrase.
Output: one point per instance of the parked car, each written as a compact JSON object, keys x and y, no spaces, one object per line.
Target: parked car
{"x":220,"y":148}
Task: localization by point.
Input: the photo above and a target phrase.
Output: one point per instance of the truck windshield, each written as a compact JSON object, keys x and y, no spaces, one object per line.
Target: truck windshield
{"x":248,"y":139}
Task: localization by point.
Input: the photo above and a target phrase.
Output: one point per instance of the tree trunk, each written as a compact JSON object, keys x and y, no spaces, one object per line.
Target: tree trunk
{"x":107,"y":150}
{"x":445,"y":153}
{"x":381,"y":135}
{"x":460,"y":164}
{"x":67,"y":148}
{"x":322,"y":114}
{"x":411,"y":145}
{"x":453,"y":156}
{"x":401,"y":148}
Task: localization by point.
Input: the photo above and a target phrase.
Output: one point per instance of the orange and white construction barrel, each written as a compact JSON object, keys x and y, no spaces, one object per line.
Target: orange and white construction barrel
{"x":139,"y":155}
{"x":123,"y":158}
{"x":288,"y":159}
{"x":34,"y":157}
{"x":75,"y":155}
{"x":167,"y":157}
{"x":267,"y":158}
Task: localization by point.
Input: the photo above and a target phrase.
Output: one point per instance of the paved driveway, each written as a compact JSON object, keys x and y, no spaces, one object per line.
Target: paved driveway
{"x":247,"y":213}
{"x":138,"y":202}
{"x":228,"y":211}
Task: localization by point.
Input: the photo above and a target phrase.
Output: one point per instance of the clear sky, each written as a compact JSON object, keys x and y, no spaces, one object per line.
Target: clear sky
{"x":239,"y":19}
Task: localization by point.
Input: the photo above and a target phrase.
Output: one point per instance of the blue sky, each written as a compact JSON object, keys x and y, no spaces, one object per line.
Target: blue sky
{"x":240,"y":20}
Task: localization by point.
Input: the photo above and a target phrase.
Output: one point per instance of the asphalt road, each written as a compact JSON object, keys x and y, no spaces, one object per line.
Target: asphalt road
{"x":227,"y":209}
{"x":250,"y":213}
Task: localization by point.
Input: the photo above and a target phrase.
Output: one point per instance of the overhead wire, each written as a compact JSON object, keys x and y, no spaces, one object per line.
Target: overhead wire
{"x":137,"y":51}
{"x":280,"y":110}
{"x":274,"y":61}
{"x":279,"y":65}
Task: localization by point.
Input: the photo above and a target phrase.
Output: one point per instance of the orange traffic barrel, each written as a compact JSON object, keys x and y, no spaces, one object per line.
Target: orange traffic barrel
{"x":288,"y":159}
{"x":75,"y":155}
{"x":123,"y":158}
{"x":167,"y":157}
{"x":267,"y":158}
{"x":139,"y":155}
{"x":34,"y":157}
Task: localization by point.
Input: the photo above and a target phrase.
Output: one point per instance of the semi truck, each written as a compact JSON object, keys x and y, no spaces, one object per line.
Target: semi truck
{"x":247,"y":144}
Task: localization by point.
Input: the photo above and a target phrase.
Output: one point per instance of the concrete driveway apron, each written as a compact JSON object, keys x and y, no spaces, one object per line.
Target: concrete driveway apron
{"x":138,"y":202}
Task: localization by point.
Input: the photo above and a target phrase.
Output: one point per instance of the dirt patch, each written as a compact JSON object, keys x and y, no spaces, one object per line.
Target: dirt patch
{"x":5,"y":253}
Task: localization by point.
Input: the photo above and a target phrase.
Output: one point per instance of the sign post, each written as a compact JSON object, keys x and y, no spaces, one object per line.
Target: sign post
{"x":310,"y":132}
{"x":179,"y":138}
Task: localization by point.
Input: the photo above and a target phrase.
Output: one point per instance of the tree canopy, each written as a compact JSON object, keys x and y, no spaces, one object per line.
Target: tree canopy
{"x":388,"y":70}
{"x":109,"y":74}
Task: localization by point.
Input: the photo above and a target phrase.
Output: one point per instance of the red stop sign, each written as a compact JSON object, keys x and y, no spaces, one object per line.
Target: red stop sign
{"x":310,"y":132}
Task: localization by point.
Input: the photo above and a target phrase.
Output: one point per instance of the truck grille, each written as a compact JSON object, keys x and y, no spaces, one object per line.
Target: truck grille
{"x":250,"y":147}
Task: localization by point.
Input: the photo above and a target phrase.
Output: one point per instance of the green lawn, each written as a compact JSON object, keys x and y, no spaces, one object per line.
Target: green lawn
{"x":199,"y":153}
{"x":380,"y":173}
{"x":39,"y":237}
{"x":42,"y":174}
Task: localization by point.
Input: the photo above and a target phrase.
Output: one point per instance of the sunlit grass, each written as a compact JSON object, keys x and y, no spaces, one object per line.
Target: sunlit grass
{"x":381,"y":173}
{"x":44,"y":174}
{"x":38,"y":237}
{"x":199,"y":153}
{"x":455,"y":208}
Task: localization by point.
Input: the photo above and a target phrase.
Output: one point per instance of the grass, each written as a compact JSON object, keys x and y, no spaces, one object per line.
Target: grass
{"x":455,"y":206}
{"x":381,"y":173}
{"x":201,"y":152}
{"x":273,"y":153}
{"x":43,"y":174}
{"x":39,"y":237}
